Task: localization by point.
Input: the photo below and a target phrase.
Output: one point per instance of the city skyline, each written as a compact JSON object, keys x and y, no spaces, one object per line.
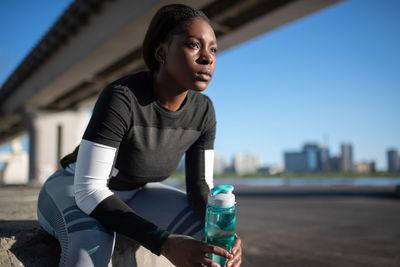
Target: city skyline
{"x":331,"y":78}
{"x":350,"y":164}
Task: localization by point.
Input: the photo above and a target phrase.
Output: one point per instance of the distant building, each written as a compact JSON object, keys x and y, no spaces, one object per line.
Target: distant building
{"x":276,"y":169}
{"x":346,"y":158}
{"x":316,"y":158}
{"x":325,"y":159}
{"x":295,"y":162}
{"x":230,"y":166}
{"x":334,"y":164}
{"x":246,"y":163}
{"x":264,"y":169}
{"x":393,"y":160}
{"x":312,"y":158}
{"x":220,"y":165}
{"x":365,"y":167}
{"x":313,"y":154}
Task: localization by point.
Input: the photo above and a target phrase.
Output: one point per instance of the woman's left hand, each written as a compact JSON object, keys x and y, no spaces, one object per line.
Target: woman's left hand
{"x":237,"y":253}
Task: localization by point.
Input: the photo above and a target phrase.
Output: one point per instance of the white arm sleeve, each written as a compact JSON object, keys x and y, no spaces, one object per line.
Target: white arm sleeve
{"x":93,"y":168}
{"x":209,"y":167}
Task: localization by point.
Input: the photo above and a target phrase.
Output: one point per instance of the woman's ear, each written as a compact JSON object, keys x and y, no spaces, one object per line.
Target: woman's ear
{"x":160,"y":54}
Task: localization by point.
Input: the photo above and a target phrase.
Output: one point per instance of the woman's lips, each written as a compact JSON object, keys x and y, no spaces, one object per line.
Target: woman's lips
{"x":203,"y":76}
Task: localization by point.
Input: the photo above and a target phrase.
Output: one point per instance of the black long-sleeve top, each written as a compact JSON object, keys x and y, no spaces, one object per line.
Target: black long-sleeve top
{"x":150,"y":141}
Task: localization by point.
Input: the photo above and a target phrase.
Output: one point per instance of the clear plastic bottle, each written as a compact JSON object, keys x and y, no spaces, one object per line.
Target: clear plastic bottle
{"x":220,"y":220}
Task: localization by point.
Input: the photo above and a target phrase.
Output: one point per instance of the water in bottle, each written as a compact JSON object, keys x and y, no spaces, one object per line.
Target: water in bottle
{"x":220,"y":220}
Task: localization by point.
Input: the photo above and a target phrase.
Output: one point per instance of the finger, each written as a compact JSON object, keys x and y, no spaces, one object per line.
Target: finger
{"x":232,"y":261}
{"x":209,"y":263}
{"x":236,"y":261}
{"x":216,"y":250}
{"x":237,"y":245}
{"x":237,"y":254}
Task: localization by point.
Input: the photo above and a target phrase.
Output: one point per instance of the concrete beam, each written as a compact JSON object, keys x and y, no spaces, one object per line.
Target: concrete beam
{"x":108,"y":46}
{"x":111,"y":34}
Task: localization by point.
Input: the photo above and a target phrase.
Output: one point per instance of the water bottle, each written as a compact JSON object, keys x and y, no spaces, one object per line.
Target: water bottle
{"x":220,"y":220}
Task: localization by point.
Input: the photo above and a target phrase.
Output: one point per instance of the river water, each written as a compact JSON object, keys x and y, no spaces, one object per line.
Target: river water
{"x":369,"y":181}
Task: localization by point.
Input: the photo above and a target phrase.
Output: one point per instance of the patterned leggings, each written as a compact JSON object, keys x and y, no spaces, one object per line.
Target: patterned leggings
{"x":85,"y":241}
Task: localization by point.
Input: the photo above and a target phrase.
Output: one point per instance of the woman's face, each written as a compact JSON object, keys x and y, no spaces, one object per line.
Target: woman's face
{"x":190,"y":57}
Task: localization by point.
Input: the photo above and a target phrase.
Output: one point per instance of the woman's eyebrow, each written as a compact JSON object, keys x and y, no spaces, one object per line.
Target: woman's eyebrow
{"x":201,"y":38}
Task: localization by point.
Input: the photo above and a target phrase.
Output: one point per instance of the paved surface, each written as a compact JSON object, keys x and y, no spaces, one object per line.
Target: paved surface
{"x":281,"y":226}
{"x":319,"y":226}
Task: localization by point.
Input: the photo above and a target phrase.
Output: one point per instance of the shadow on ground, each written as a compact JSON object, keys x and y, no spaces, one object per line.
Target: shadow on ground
{"x":24,"y":241}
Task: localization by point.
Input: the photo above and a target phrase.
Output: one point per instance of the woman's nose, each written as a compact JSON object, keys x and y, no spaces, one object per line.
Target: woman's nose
{"x":206,"y":58}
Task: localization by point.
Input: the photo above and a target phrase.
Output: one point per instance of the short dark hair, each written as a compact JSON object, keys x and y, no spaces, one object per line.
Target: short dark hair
{"x":169,"y":20}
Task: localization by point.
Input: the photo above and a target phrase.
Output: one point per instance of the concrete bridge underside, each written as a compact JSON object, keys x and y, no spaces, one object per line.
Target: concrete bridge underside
{"x":93,"y":43}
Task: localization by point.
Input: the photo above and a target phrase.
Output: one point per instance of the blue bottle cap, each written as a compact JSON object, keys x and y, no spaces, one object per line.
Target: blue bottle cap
{"x":222,"y":189}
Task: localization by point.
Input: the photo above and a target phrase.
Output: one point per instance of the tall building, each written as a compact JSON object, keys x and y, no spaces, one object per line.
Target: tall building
{"x":346,"y":158}
{"x":393,"y":160}
{"x":246,"y":163}
{"x":313,"y":154}
{"x":334,"y":164}
{"x":312,"y":158}
{"x":325,"y":159}
{"x":295,"y":161}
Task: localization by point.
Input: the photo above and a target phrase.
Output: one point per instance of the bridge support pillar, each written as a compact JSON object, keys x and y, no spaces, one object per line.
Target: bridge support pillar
{"x":52,"y":135}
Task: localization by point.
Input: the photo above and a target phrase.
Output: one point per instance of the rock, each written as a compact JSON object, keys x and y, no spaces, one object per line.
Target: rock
{"x":25,"y":243}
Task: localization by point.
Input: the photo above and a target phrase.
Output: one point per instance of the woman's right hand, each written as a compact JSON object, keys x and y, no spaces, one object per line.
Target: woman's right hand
{"x":185,"y":251}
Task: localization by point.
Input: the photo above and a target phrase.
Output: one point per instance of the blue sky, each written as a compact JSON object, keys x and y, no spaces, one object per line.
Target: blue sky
{"x":331,"y":77}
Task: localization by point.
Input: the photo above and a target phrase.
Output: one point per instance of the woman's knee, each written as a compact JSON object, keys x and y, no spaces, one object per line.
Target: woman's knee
{"x":158,"y":203}
{"x":168,"y":208}
{"x":90,"y":247}
{"x":186,"y":223}
{"x":84,"y":241}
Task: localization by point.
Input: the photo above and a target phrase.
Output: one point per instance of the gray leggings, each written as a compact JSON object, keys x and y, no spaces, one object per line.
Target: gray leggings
{"x":85,"y":241}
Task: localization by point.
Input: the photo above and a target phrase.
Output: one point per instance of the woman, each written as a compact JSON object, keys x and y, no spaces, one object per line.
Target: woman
{"x":140,"y":128}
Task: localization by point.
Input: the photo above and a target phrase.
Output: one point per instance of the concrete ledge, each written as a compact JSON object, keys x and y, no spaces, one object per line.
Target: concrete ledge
{"x":25,"y":243}
{"x":129,"y":253}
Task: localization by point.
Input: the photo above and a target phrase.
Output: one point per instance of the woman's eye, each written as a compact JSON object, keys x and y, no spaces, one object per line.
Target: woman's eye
{"x":194,"y":45}
{"x":213,"y":50}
